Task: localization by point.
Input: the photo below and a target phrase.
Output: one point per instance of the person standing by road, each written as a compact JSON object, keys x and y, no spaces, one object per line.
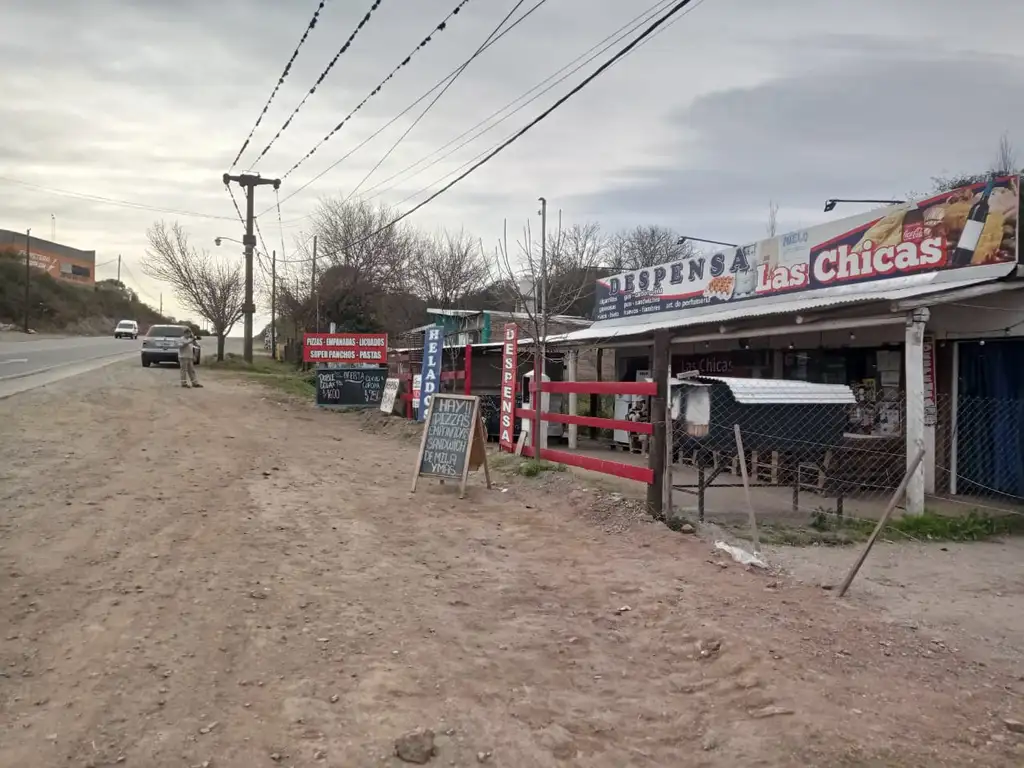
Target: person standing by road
{"x":186,"y":361}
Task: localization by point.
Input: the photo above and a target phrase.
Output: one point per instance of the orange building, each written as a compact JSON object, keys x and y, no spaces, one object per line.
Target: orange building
{"x":61,"y":261}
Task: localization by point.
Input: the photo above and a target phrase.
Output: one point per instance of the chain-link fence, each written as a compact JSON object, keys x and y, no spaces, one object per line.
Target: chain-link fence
{"x":834,"y":465}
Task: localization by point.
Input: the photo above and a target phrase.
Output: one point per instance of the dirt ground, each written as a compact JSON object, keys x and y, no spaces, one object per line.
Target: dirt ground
{"x":217,"y":578}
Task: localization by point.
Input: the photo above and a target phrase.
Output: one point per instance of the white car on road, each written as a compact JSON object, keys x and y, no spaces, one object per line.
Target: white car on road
{"x":127,"y":329}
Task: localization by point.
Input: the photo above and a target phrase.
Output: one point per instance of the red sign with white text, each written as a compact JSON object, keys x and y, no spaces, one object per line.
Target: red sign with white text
{"x":350,"y":348}
{"x":509,"y":367}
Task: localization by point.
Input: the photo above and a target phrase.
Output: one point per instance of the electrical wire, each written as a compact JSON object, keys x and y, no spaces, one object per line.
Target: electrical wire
{"x":319,"y":80}
{"x":111,"y":200}
{"x":696,"y":4}
{"x":440,"y":83}
{"x":651,"y":31}
{"x":423,"y":43}
{"x":138,"y":284}
{"x":580,"y":61}
{"x":543,"y":115}
{"x":280,"y":82}
{"x":442,"y":92}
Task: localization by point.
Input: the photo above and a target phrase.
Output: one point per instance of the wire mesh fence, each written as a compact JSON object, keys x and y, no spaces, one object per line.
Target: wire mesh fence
{"x":833,"y":467}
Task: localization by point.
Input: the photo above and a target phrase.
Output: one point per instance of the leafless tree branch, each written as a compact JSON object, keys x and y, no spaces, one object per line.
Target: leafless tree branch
{"x":213,"y":289}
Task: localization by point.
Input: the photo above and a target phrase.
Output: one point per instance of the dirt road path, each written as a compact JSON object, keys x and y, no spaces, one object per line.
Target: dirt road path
{"x":213,"y":578}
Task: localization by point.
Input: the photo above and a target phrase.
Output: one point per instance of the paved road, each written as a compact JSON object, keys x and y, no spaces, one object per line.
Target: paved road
{"x":32,"y":356}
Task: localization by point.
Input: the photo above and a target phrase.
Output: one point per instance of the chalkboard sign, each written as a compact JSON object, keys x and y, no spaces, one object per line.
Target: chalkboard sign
{"x":453,"y":440}
{"x":350,"y":387}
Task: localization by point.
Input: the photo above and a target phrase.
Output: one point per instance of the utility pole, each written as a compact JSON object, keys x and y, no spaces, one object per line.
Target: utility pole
{"x":161,"y":303}
{"x":249,"y":182}
{"x":53,"y":227}
{"x":28,"y":273}
{"x":313,"y":287}
{"x":119,"y":267}
{"x":273,"y":305}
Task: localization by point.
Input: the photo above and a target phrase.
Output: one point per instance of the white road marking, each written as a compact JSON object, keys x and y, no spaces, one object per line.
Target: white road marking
{"x":15,"y":360}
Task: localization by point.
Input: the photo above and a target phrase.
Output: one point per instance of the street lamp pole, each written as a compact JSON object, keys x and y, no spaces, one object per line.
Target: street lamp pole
{"x":684,"y":239}
{"x":28,"y":273}
{"x":831,"y":203}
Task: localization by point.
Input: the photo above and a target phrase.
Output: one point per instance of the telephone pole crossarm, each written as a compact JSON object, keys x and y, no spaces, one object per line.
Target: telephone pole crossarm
{"x":249,"y":182}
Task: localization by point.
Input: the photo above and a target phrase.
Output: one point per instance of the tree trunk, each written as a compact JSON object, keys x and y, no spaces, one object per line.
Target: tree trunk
{"x":220,"y":347}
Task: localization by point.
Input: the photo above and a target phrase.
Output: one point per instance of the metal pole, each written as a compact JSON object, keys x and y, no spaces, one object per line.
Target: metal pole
{"x":119,"y":267}
{"x":53,"y":227}
{"x":28,"y":273}
{"x":540,"y":345}
{"x":250,"y":241}
{"x":273,"y":305}
{"x":313,"y":288}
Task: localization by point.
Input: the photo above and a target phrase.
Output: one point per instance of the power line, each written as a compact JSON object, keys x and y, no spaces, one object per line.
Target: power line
{"x":444,"y":90}
{"x":392,"y":121}
{"x":319,"y":80}
{"x":280,"y":82}
{"x":526,"y":128}
{"x":584,"y":58}
{"x":138,"y":284}
{"x":111,"y":200}
{"x":651,"y":31}
{"x":423,"y":43}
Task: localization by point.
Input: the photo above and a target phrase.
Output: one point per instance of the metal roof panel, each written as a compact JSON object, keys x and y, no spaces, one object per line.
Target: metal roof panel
{"x":782,"y":391}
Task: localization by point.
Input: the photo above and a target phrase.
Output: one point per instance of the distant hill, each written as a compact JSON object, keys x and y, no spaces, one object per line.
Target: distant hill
{"x":58,"y":306}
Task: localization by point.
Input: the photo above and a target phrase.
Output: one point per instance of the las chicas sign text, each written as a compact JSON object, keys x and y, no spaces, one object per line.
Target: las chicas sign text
{"x":968,"y":226}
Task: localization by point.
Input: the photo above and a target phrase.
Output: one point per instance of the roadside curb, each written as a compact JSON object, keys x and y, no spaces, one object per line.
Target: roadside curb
{"x":38,"y":371}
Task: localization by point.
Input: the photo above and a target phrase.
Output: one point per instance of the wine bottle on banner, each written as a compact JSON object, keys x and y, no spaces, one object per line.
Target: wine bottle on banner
{"x":971,"y":235}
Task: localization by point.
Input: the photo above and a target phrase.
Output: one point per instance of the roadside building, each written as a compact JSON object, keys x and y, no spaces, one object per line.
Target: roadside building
{"x":917,"y":307}
{"x":59,"y":261}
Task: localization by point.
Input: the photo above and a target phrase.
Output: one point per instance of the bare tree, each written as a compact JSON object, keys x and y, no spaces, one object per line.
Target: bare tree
{"x":645,"y":246}
{"x":448,"y":267}
{"x":773,"y":219}
{"x":215,"y":290}
{"x":1006,"y":158}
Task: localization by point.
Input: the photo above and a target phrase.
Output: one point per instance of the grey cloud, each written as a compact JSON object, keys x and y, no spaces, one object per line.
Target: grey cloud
{"x":871,"y":126}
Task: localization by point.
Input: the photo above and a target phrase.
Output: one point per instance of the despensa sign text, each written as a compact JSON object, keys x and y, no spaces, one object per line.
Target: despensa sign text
{"x":509,"y":368}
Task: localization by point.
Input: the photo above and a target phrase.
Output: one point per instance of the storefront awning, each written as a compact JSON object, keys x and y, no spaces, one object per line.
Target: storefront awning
{"x":896,"y":290}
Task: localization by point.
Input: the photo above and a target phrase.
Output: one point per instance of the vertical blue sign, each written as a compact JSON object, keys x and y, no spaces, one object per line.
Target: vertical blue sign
{"x":433,"y":349}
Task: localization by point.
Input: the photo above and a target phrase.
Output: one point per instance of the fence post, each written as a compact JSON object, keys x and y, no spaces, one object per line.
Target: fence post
{"x":467,"y":384}
{"x":572,"y":356}
{"x":595,"y":400}
{"x":656,"y":451}
{"x":536,"y":399}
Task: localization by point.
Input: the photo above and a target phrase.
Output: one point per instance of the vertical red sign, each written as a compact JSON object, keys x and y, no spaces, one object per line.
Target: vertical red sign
{"x":509,"y":368}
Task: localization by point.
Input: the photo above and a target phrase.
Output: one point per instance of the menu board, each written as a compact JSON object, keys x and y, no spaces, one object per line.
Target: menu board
{"x":453,"y":440}
{"x":350,"y":387}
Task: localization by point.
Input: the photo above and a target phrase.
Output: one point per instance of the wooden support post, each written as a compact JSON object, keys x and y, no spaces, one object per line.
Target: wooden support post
{"x":912,"y":466}
{"x":746,"y":487}
{"x":656,"y":456}
{"x":467,"y":384}
{"x":571,"y":371}
{"x":595,"y":400}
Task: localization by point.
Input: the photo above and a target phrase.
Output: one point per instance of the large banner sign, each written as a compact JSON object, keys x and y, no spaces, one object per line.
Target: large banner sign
{"x":968,"y":226}
{"x":509,"y":371}
{"x":345,"y":348}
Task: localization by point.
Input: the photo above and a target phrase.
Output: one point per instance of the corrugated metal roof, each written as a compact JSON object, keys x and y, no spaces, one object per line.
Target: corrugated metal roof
{"x":781,"y":391}
{"x":894,"y":289}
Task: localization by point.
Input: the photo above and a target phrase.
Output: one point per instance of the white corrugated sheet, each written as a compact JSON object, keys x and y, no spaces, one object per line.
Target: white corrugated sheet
{"x":781,"y":391}
{"x":894,"y":289}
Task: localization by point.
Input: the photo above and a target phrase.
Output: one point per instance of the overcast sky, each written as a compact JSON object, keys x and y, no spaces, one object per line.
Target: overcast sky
{"x":738,"y":103}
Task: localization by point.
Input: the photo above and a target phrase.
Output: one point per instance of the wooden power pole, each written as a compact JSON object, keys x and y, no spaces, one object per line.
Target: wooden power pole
{"x":249,"y":182}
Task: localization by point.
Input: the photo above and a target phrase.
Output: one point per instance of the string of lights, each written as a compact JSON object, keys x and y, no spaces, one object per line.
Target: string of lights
{"x":423,"y":43}
{"x":566,"y":71}
{"x":618,"y":56}
{"x":319,"y":80}
{"x":570,"y":69}
{"x":280,"y":82}
{"x":444,"y":90}
{"x":439,"y":84}
{"x":110,"y":200}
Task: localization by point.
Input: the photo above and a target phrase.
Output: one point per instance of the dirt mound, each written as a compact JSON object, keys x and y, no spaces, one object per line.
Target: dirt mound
{"x":373,"y":420}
